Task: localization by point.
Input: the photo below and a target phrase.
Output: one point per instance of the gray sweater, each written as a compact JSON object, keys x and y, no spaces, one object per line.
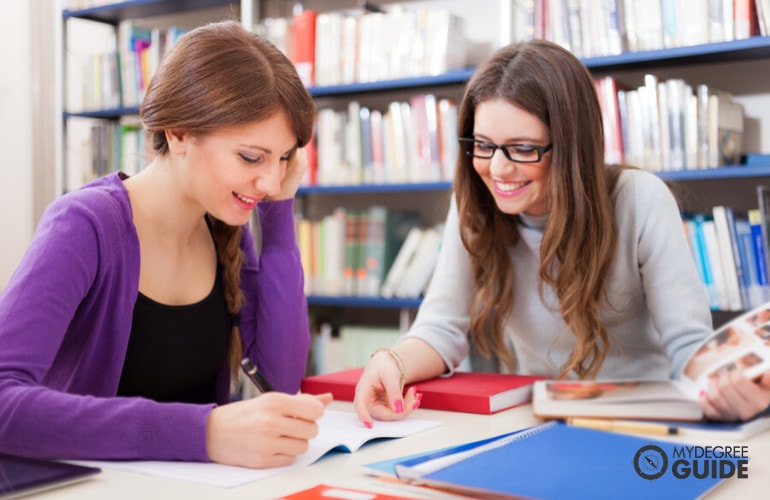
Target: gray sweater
{"x":659,"y":307}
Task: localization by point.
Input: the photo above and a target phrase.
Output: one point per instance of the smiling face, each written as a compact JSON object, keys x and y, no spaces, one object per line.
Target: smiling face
{"x":516,"y":187}
{"x":228,"y":172}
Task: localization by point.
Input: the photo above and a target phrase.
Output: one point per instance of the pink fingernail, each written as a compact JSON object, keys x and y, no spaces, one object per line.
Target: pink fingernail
{"x":399,"y":406}
{"x":416,"y":405}
{"x":702,"y":393}
{"x":418,"y":396}
{"x":368,"y":424}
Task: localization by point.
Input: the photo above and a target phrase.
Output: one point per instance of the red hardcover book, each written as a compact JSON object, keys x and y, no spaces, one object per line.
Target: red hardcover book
{"x":469,"y":392}
{"x":303,"y":42}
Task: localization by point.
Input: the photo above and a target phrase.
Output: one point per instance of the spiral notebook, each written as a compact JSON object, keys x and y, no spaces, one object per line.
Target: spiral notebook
{"x":557,"y":461}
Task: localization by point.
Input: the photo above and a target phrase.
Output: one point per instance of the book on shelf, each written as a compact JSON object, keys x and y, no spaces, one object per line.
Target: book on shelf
{"x":729,"y":256}
{"x":468,"y":392}
{"x":331,"y":247}
{"x":447,"y":123}
{"x":328,"y":41}
{"x":420,"y":268}
{"x":607,"y":90}
{"x":387,"y":229}
{"x":352,"y":153}
{"x":303,"y":52}
{"x":741,"y":344}
{"x":729,"y":130}
{"x":352,"y":250}
{"x":554,"y":460}
{"x":304,"y":230}
{"x":763,"y":206}
{"x":758,"y":243}
{"x":756,"y":290}
{"x":400,"y":263}
{"x":763,"y":17}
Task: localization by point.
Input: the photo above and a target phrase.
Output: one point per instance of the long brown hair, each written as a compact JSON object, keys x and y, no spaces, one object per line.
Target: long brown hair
{"x":580,"y":236}
{"x":215,"y":76}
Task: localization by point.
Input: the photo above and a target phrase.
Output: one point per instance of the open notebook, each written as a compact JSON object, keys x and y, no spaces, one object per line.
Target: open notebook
{"x":338,"y":431}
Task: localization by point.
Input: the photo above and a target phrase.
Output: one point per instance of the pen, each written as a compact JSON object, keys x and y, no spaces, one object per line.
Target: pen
{"x":259,"y":381}
{"x":621,"y":426}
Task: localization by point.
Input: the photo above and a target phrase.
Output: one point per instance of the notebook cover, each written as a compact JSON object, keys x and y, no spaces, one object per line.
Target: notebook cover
{"x":557,"y":461}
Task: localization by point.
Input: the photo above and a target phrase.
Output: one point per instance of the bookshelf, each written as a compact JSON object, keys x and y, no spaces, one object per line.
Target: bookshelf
{"x":695,"y":181}
{"x":98,"y":24}
{"x":488,"y":25}
{"x":698,"y":189}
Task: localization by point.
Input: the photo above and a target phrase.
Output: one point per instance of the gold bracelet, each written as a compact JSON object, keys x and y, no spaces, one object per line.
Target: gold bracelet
{"x":397,"y":359}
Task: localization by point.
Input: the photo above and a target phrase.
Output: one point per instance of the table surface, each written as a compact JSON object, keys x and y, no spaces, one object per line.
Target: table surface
{"x":345,"y":469}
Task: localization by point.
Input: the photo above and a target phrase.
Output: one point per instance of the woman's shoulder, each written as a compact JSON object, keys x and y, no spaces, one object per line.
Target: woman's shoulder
{"x":104,"y":199}
{"x":640,"y":186}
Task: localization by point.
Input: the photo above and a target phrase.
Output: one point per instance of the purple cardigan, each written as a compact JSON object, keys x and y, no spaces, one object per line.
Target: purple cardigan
{"x":65,"y":319}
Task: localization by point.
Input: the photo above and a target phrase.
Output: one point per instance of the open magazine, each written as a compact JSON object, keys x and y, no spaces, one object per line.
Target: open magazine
{"x":741,"y":344}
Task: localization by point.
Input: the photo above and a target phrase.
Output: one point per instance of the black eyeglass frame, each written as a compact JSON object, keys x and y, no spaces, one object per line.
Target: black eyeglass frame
{"x":541,"y":150}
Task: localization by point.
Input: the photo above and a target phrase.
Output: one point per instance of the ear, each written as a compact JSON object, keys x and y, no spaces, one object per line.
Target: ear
{"x":177,"y":140}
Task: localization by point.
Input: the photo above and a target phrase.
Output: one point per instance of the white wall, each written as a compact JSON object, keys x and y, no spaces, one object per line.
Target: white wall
{"x":16,"y":136}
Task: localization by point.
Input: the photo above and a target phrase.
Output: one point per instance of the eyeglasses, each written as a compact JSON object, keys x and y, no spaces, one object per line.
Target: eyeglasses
{"x":519,"y":153}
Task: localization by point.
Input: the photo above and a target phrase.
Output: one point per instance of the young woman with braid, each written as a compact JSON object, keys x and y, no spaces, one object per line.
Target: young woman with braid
{"x":555,"y":263}
{"x":124,"y":325}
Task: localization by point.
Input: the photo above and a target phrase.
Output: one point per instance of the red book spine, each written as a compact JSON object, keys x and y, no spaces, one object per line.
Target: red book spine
{"x":303,"y":35}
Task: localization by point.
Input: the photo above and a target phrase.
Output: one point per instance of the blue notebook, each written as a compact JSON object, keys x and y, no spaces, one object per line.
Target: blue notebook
{"x":556,"y":461}
{"x":388,"y":467}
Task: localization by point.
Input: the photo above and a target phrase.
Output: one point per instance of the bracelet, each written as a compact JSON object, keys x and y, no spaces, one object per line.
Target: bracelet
{"x":397,"y":359}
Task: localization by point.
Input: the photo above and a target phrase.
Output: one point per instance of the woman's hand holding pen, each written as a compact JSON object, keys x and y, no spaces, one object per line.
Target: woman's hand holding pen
{"x":267,"y":431}
{"x":732,"y":396}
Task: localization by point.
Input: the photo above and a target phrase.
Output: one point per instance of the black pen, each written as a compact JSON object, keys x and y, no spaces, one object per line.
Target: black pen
{"x":250,"y":369}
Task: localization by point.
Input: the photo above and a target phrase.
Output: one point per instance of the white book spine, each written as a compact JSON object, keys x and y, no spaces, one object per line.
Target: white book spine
{"x":401,"y":262}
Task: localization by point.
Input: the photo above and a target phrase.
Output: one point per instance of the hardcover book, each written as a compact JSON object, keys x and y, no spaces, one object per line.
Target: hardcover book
{"x":741,"y":344}
{"x":469,"y":392}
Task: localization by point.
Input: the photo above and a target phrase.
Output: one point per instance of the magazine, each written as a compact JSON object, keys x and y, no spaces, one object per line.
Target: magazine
{"x":741,"y":344}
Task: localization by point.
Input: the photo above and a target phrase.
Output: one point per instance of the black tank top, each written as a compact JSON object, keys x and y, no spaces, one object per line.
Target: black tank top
{"x":175,"y":352}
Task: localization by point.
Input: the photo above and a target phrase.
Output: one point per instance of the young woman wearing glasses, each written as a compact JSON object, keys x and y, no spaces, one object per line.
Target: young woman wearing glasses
{"x":556,"y":263}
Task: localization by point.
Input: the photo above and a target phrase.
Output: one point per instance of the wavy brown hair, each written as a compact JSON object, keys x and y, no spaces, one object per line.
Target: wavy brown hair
{"x":580,"y":237}
{"x":220,"y":75}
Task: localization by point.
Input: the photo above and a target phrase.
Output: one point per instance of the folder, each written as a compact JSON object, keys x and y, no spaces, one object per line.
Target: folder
{"x":557,"y":461}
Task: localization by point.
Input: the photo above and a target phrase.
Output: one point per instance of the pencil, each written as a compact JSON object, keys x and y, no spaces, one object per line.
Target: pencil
{"x":647,"y":428}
